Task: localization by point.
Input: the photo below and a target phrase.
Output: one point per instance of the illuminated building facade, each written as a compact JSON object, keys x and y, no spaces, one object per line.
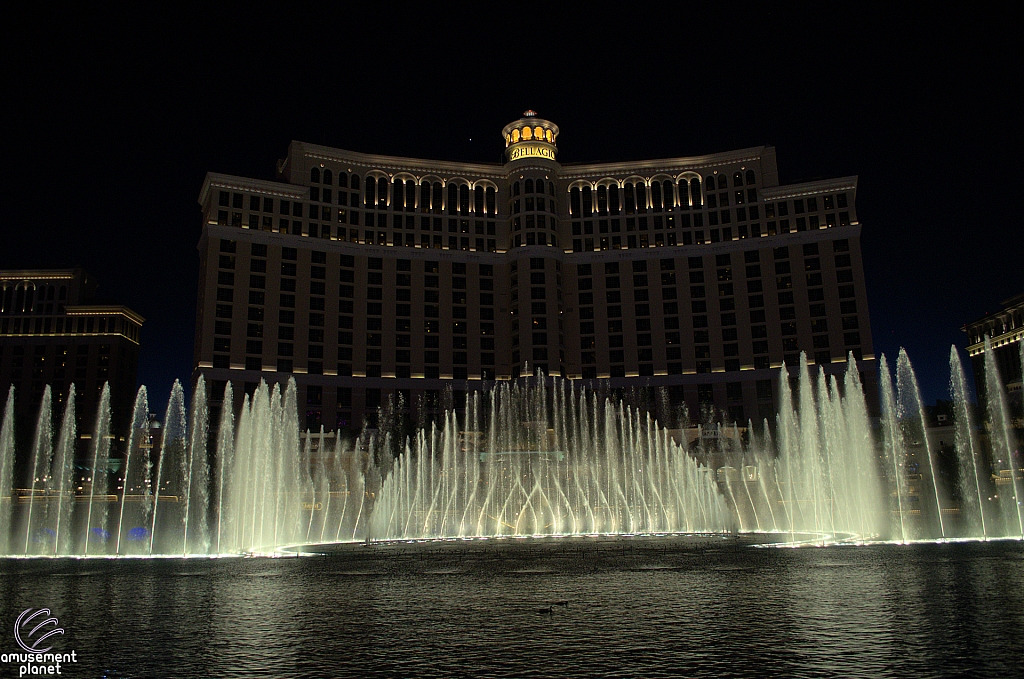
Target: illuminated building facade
{"x":366,"y":275}
{"x":1004,"y":330}
{"x":50,"y":334}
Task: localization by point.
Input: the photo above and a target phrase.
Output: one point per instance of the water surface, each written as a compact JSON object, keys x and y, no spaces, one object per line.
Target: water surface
{"x":650,"y":607}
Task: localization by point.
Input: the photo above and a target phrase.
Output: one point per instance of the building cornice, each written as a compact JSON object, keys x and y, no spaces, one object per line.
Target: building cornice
{"x":103,"y":310}
{"x":19,"y":275}
{"x":1004,"y":319}
{"x":810,"y":188}
{"x":996,"y":341}
{"x":572,"y":171}
{"x":228,"y":181}
{"x":399,"y":163}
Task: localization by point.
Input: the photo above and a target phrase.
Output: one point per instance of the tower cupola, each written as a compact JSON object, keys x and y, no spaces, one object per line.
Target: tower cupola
{"x":530,"y":138}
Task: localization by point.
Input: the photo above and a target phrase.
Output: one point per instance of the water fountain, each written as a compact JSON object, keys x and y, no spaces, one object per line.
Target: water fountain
{"x":6,"y":472}
{"x":593,"y":467}
{"x":1004,"y":448}
{"x":822,"y":474}
{"x":537,"y":457}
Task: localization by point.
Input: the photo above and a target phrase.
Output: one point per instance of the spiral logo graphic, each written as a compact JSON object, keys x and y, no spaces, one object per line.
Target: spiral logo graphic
{"x":25,"y":638}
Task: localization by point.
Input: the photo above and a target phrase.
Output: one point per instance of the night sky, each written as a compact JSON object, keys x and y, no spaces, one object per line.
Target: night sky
{"x":110,"y":134}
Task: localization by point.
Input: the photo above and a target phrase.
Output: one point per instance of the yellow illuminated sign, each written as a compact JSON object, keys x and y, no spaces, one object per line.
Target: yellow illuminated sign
{"x":531,"y":151}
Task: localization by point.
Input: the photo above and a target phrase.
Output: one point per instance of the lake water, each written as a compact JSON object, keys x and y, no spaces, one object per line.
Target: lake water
{"x":641,"y":607}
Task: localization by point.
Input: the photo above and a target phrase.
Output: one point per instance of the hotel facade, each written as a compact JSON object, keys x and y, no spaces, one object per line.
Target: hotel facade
{"x":368,"y":277}
{"x":1004,"y":331}
{"x":52,"y":333}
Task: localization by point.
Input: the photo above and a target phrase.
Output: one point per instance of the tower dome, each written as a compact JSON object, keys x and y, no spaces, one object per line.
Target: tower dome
{"x":530,"y":138}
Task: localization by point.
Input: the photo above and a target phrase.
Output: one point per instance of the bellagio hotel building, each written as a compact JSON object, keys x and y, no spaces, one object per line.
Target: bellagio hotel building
{"x":369,"y":277}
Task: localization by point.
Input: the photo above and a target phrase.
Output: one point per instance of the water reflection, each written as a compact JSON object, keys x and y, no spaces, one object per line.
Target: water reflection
{"x":650,"y":607}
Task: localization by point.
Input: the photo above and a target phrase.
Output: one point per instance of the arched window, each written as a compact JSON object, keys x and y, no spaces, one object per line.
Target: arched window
{"x":666,"y":188}
{"x":540,"y":186}
{"x":737,"y":179}
{"x":630,"y":197}
{"x":369,"y":194}
{"x":355,"y":182}
{"x":478,"y":200}
{"x":515,"y":189}
{"x":343,"y":179}
{"x":656,"y":196}
{"x":515,"y":136}
{"x":696,"y":198}
{"x":538,"y":133}
{"x":602,"y":200}
{"x":314,"y":175}
{"x":382,"y":193}
{"x":529,"y":186}
{"x":574,"y":201}
{"x":641,"y":197}
{"x":425,"y":197}
{"x":751,"y":179}
{"x":410,"y":195}
{"x":547,"y":135}
{"x":551,"y":188}
{"x":613,"y":199}
{"x":723,"y":182}
{"x":527,"y":135}
{"x":453,"y":198}
{"x":437,"y":198}
{"x":588,"y":201}
{"x":463,"y":199}
{"x":684,"y":194}
{"x":492,"y":201}
{"x":328,"y":178}
{"x":398,"y":195}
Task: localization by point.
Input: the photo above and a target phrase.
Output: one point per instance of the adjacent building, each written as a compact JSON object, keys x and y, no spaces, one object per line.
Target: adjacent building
{"x":366,"y":276}
{"x":1004,"y":331}
{"x":52,"y":334}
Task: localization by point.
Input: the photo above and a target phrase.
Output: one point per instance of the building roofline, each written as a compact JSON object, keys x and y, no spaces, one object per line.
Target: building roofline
{"x":230,"y":181}
{"x":1013,"y":301}
{"x":682,"y":162}
{"x":99,"y":309}
{"x":1007,"y":305}
{"x":569,"y":170}
{"x":38,"y":274}
{"x":810,"y":188}
{"x":319,"y":152}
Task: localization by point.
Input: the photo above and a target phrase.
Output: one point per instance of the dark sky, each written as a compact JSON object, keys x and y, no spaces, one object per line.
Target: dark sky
{"x":111,"y":130}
